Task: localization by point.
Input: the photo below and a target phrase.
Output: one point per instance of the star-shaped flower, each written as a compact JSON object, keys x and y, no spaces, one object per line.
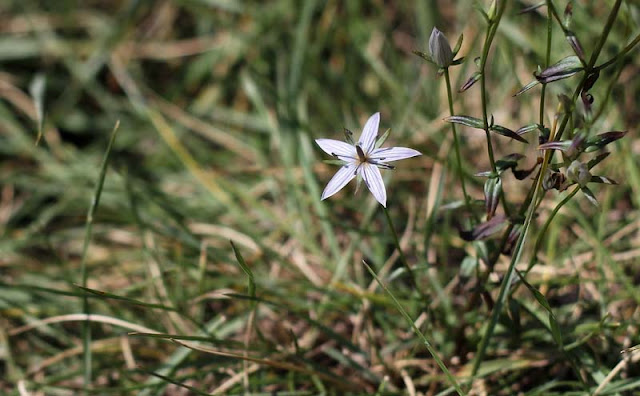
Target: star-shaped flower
{"x":363,"y":159}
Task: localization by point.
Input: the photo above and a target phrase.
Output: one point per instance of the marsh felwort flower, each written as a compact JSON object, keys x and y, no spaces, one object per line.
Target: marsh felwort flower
{"x":363,"y":159}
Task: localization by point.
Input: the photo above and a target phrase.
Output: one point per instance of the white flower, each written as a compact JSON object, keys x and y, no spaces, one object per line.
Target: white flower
{"x":363,"y":159}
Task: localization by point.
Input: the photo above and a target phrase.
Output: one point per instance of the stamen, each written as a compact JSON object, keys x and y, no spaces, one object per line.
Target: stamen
{"x":361,"y":156}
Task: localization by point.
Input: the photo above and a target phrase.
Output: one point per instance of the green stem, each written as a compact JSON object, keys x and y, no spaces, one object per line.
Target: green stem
{"x":456,"y":144}
{"x":483,"y":92}
{"x":547,"y":58}
{"x":605,"y":33}
{"x":86,"y":329}
{"x":403,"y":259}
{"x":491,"y":32}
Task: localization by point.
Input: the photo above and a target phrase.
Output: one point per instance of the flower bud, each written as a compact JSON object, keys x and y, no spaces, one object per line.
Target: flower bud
{"x":440,"y":49}
{"x":579,"y":173}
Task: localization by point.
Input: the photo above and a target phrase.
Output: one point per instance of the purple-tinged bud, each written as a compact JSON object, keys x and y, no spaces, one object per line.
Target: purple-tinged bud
{"x":440,"y":49}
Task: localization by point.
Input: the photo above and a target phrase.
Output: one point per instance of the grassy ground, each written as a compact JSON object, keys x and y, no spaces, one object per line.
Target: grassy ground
{"x":218,"y":103}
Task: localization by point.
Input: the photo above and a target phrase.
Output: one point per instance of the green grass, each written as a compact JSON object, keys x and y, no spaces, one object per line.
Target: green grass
{"x":218,"y":104}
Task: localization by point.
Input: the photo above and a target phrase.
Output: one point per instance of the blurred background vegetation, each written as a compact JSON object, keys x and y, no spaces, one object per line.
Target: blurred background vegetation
{"x":219,"y":102}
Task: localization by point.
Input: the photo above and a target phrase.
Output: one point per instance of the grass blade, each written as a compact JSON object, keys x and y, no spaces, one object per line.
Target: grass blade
{"x":86,"y":329}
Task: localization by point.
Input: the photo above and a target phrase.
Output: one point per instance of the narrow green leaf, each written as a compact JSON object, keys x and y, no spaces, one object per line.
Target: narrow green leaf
{"x":466,"y":121}
{"x":602,"y":179}
{"x":424,"y":56}
{"x":470,"y":82}
{"x":458,"y":45}
{"x":601,"y":140}
{"x":457,"y":61}
{"x":555,"y":330}
{"x":536,"y":293}
{"x":531,"y":8}
{"x":566,"y":67}
{"x":527,"y":128}
{"x":500,"y":130}
{"x":527,"y":87}
{"x":246,"y":269}
{"x":562,"y":145}
{"x":597,"y":159}
{"x":589,"y":194}
{"x":492,"y":190}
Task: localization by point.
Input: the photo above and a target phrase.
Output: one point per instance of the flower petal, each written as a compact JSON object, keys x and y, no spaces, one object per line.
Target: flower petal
{"x":389,"y":154}
{"x":373,"y":179}
{"x":337,"y":148}
{"x":339,"y":180}
{"x":369,"y":133}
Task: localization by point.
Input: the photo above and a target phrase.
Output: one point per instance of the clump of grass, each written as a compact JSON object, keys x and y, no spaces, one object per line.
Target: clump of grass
{"x":508,"y":282}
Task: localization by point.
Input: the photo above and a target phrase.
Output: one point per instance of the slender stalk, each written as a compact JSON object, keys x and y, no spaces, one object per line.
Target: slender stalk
{"x":547,"y":59}
{"x":456,"y":144}
{"x":605,"y":33}
{"x":491,"y":32}
{"x":415,"y":328}
{"x":403,"y":259}
{"x":86,"y":309}
{"x":483,"y":93}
